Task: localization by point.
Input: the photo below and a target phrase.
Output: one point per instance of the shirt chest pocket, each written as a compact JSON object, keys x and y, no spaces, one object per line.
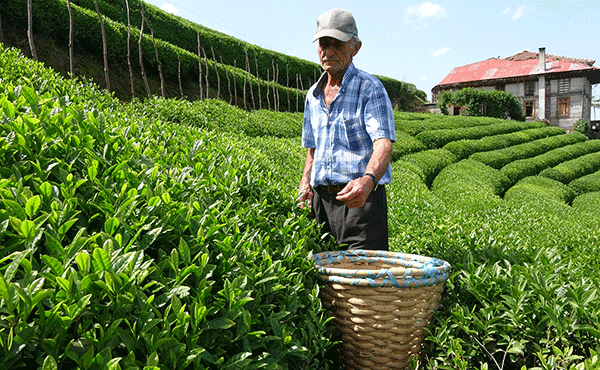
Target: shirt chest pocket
{"x":349,"y":132}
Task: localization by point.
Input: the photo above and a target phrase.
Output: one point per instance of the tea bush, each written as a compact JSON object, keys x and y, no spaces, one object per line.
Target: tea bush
{"x":568,"y":171}
{"x":414,"y":123}
{"x":131,"y":242}
{"x":429,"y":163}
{"x":470,"y":179}
{"x":501,"y":157}
{"x":521,"y":168}
{"x":438,"y":138}
{"x":586,"y":184}
{"x":465,"y":148}
{"x":537,"y":187}
{"x":141,"y":236}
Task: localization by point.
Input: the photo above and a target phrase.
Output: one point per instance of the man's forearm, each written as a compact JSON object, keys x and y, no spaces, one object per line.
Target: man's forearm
{"x":381,"y":157}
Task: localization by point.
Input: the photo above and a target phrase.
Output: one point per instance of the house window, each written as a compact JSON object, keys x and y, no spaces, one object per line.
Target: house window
{"x":530,"y":88}
{"x":564,"y":85}
{"x":529,"y":108}
{"x":563,"y":107}
{"x":500,"y":87}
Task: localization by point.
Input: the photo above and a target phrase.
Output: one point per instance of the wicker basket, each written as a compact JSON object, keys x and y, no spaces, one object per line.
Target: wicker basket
{"x":381,"y":303}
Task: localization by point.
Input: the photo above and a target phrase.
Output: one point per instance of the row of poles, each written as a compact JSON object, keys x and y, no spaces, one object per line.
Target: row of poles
{"x":203,"y":86}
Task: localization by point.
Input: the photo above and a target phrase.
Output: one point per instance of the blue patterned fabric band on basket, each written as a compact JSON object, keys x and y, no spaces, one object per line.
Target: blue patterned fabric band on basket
{"x":388,"y":269}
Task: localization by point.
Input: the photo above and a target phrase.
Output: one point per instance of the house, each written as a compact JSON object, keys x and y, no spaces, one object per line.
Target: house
{"x":553,"y":88}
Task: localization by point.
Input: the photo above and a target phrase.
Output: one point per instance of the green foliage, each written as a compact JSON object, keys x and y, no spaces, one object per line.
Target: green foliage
{"x":499,"y":104}
{"x":405,"y":144}
{"x":140,"y":236}
{"x":582,"y":126}
{"x":414,"y":123}
{"x":465,"y":148}
{"x":586,"y":184}
{"x":521,"y":168}
{"x":427,"y":164}
{"x":470,"y":182}
{"x":134,"y":241}
{"x":587,"y":202}
{"x":501,"y":157}
{"x":540,"y":188}
{"x":568,"y":171}
{"x":438,"y":138}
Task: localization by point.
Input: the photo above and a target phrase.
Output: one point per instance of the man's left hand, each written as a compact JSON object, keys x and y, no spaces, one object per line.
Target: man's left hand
{"x":355,"y":193}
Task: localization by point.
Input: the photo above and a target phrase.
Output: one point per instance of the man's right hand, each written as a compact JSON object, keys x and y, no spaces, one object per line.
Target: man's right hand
{"x":305,"y":196}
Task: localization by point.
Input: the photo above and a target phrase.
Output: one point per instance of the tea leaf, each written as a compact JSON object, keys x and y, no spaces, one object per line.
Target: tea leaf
{"x":55,"y":266}
{"x":101,"y":261}
{"x":221,"y":323}
{"x":32,"y":205}
{"x":111,"y":225}
{"x":49,"y":363}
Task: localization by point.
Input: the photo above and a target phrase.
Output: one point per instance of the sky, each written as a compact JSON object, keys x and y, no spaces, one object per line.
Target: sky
{"x":418,"y":41}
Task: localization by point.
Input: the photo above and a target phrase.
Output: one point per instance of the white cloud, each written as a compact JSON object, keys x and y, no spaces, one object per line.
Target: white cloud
{"x":439,"y":52}
{"x":425,"y":10}
{"x":170,"y":8}
{"x":519,"y":13}
{"x":506,"y":10}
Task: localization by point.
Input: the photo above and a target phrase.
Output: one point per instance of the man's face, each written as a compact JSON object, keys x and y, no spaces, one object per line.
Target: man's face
{"x":335,"y":55}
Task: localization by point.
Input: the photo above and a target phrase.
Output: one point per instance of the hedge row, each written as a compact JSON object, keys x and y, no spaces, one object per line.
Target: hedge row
{"x":217,"y":115}
{"x":129,"y":242}
{"x":182,"y":33}
{"x":88,"y":39}
{"x":471,"y":184}
{"x":568,"y":171}
{"x":522,"y":168}
{"x":438,"y":138}
{"x":177,"y":37}
{"x":539,"y":187}
{"x":588,"y":202}
{"x":405,"y":144}
{"x":427,"y":164}
{"x":501,"y":157}
{"x":414,"y":123}
{"x":465,"y":148}
{"x":586,"y":184}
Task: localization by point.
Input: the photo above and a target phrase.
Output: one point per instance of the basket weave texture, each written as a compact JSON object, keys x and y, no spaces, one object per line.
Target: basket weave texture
{"x":381,"y":303}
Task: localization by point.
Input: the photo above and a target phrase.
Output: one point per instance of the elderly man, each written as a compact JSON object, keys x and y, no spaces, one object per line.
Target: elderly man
{"x":348,"y":129}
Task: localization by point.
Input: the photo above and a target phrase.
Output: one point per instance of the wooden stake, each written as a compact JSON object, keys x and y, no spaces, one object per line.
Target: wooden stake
{"x":140,"y":48}
{"x":71,"y":68}
{"x":257,"y":82}
{"x":217,"y":73}
{"x":206,"y":78}
{"x":234,"y":83}
{"x":199,"y":65}
{"x":104,"y":47}
{"x":129,"y":50}
{"x":179,"y":75}
{"x":228,"y":81}
{"x":160,"y":73}
{"x":30,"y":30}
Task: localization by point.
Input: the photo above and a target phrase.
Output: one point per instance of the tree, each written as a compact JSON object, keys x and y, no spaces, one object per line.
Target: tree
{"x":498,"y":104}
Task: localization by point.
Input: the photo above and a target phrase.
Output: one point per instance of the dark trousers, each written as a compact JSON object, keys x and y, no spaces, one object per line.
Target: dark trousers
{"x":358,"y":228}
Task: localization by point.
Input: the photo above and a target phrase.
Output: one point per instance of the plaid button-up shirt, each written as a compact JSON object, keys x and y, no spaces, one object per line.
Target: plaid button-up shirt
{"x":343,"y":135}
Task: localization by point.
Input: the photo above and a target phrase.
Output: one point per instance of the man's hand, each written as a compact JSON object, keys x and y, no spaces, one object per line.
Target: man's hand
{"x":305,"y":196}
{"x":355,"y":193}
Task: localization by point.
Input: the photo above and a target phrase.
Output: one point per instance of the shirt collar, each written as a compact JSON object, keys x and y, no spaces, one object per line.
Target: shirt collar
{"x":350,"y":72}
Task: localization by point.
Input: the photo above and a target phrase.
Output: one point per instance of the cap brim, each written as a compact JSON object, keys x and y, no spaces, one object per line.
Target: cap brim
{"x":342,"y":36}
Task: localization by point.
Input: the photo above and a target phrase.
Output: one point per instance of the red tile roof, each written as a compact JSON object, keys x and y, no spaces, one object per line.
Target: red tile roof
{"x":518,"y":65}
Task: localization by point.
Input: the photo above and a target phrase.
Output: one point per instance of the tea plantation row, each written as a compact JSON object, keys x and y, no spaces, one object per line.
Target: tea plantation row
{"x":164,"y":234}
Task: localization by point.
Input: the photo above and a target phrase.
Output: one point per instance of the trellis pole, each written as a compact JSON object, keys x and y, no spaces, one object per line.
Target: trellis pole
{"x":104,"y":47}
{"x":30,"y":30}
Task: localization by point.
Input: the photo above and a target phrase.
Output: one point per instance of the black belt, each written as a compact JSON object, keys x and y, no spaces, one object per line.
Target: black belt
{"x":333,"y":189}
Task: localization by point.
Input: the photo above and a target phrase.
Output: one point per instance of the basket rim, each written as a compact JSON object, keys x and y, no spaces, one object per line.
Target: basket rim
{"x":411,"y":270}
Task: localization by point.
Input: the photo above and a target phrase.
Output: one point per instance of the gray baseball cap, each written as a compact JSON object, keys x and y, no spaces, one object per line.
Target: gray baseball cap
{"x":337,"y":23}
